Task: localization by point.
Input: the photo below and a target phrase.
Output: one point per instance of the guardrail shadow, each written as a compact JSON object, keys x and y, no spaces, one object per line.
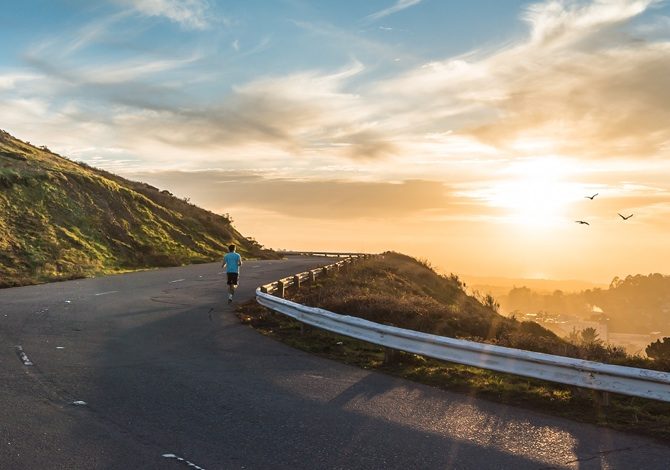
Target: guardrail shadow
{"x":221,"y":396}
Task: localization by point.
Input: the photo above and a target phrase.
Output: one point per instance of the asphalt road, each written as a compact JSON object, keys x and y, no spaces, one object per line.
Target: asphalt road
{"x":137,"y":371}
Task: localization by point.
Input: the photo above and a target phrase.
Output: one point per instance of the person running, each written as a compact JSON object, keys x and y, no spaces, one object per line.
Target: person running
{"x":232,"y":262}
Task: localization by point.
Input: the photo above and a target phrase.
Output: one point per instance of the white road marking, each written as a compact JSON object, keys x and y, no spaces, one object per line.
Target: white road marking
{"x":177,"y":280}
{"x":221,"y":272}
{"x":108,"y":292}
{"x":23,"y":356}
{"x":68,"y":301}
{"x":60,"y":347}
{"x":79,"y":403}
{"x":181,"y":459}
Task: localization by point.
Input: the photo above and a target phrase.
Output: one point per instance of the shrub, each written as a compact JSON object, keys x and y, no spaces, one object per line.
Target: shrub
{"x":659,"y":350}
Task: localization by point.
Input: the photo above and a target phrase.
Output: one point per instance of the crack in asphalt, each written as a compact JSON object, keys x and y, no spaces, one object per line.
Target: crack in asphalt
{"x":597,"y":455}
{"x":156,"y":299}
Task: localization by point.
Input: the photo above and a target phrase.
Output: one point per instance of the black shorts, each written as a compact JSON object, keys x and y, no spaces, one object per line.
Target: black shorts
{"x":232,"y":278}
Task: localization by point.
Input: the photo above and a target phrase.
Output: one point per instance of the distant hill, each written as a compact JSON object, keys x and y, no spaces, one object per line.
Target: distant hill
{"x":499,"y":286}
{"x":60,"y":219}
{"x":635,"y":304}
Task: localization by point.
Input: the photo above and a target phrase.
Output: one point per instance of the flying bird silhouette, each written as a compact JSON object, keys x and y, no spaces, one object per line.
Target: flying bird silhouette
{"x":591,"y":197}
{"x":582,"y":222}
{"x":625,"y":218}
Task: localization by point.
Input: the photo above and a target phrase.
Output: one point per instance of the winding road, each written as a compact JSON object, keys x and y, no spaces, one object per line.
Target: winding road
{"x":152,"y":370}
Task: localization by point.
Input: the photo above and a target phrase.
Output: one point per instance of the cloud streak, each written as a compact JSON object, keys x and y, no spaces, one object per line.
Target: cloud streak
{"x":395,"y":8}
{"x":578,"y":85}
{"x":318,"y":199}
{"x":190,"y":14}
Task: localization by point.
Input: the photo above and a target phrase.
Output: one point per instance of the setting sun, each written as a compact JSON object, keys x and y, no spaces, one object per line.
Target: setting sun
{"x":535,"y":192}
{"x":475,"y":149}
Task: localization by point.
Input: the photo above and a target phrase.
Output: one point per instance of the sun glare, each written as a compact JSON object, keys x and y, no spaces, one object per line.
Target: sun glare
{"x":535,"y":191}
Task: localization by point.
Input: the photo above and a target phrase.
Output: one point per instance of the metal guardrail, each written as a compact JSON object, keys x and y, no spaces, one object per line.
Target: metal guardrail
{"x":279,"y":287}
{"x":566,"y":370}
{"x":327,"y":254}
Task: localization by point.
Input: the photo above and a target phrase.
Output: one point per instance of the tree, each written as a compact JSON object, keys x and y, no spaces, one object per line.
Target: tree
{"x":590,"y":336}
{"x":659,"y":350}
{"x":490,"y":302}
{"x":573,"y":336}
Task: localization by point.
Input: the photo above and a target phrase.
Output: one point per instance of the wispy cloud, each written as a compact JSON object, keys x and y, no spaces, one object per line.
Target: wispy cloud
{"x":354,"y":41}
{"x":11,"y":80}
{"x":576,"y":85}
{"x":560,"y":23}
{"x":328,"y":199}
{"x":190,"y":14}
{"x":302,"y":113}
{"x":398,"y":6}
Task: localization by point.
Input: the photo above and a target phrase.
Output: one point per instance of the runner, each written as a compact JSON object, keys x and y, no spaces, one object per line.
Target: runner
{"x":232,"y":262}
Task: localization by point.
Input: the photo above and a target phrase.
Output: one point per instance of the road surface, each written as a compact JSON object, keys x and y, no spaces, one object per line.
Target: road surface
{"x":140,"y":370}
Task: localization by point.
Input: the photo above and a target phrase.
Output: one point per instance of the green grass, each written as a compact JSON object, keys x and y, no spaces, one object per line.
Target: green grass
{"x":63,"y":220}
{"x":359,"y":292}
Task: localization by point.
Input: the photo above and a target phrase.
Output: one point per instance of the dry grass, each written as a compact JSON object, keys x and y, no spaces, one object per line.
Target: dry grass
{"x":400,"y":291}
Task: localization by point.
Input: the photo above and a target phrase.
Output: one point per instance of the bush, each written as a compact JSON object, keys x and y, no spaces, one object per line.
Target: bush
{"x":659,"y":350}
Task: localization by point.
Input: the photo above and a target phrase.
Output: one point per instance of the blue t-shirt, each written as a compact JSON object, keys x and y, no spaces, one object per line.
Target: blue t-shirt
{"x":233,"y":261}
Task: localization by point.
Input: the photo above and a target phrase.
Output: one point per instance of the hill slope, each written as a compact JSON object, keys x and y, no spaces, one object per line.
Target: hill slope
{"x":60,"y":219}
{"x":398,"y":290}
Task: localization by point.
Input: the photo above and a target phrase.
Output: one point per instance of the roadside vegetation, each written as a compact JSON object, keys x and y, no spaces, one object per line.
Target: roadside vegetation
{"x":61,"y":220}
{"x":398,"y":290}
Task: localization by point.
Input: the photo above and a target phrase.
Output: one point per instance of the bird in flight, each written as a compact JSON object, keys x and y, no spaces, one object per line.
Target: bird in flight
{"x":591,"y":197}
{"x":625,"y":218}
{"x":582,"y":222}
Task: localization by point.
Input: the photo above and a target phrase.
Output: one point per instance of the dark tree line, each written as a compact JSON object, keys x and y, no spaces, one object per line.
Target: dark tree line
{"x":634,"y":304}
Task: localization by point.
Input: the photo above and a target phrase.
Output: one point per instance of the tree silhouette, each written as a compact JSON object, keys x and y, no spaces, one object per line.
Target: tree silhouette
{"x":590,"y":336}
{"x":490,"y":302}
{"x":573,"y":336}
{"x":659,"y":350}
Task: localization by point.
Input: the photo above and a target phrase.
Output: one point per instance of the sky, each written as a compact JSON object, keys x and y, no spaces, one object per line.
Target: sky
{"x":465,"y":133}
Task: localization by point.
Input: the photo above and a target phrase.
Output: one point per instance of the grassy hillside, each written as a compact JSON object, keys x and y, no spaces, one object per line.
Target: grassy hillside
{"x":401,"y":291}
{"x":60,"y":219}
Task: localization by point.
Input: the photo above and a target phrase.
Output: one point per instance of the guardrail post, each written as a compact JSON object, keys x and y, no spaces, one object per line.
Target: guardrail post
{"x":601,"y":398}
{"x":312,"y":277}
{"x":296,"y":281}
{"x":390,"y":355}
{"x":324,"y":270}
{"x":281,"y":289}
{"x":264,"y":289}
